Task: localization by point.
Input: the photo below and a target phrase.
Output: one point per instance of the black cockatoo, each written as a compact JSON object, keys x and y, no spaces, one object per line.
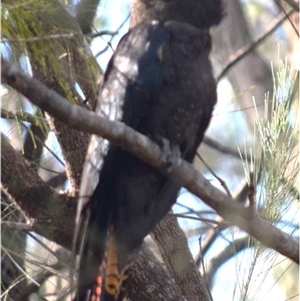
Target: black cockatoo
{"x":159,"y":82}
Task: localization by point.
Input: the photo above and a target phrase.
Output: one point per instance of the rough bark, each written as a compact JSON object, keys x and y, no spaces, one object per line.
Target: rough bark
{"x":174,"y":248}
{"x":60,"y":58}
{"x":148,"y":280}
{"x":52,"y":213}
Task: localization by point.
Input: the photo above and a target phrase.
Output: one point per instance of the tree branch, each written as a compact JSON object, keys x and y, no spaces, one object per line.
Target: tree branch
{"x":147,"y":269}
{"x":53,"y":213}
{"x":242,"y":52}
{"x":63,"y":63}
{"x":293,"y":4}
{"x":142,"y":147}
{"x":174,"y":248}
{"x":23,"y":116}
{"x":231,"y":40}
{"x":226,"y":150}
{"x":230,"y":251}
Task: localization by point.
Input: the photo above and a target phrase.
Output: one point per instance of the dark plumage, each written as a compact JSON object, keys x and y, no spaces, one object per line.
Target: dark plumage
{"x":161,"y":76}
{"x":199,"y":13}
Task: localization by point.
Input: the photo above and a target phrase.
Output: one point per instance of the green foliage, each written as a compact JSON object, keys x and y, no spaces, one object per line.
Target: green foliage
{"x":52,"y":40}
{"x":44,"y":36}
{"x":275,"y":168}
{"x":276,"y":147}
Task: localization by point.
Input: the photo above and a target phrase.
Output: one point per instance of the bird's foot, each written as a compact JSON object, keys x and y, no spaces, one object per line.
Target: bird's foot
{"x":170,"y":153}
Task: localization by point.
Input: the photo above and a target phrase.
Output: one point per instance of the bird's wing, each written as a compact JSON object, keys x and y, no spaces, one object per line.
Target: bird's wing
{"x":132,"y":81}
{"x":136,"y":70}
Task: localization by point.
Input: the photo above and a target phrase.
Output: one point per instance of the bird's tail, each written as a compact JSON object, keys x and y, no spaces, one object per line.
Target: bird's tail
{"x":91,"y":268}
{"x":102,"y":277}
{"x":114,"y":271}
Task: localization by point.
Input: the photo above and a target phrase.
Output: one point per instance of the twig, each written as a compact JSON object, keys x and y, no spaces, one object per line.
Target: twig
{"x":22,"y":116}
{"x":201,"y":219}
{"x":85,"y":14}
{"x":293,"y":4}
{"x":27,"y":117}
{"x":288,"y":17}
{"x":222,"y":182}
{"x":211,"y":235}
{"x":18,"y":266}
{"x":35,"y":39}
{"x":16,"y":226}
{"x":234,"y":247}
{"x":251,"y":193}
{"x":103,"y":33}
{"x":197,"y":212}
{"x":112,"y":37}
{"x":222,"y":148}
{"x":241,"y":53}
{"x":47,"y":147}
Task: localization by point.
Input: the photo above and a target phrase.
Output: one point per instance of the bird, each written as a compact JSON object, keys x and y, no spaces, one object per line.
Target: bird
{"x":160,"y":83}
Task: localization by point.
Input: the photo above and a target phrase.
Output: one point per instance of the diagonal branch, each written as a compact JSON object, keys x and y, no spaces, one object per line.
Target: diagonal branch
{"x":35,"y":197}
{"x":241,"y":53}
{"x":173,"y":246}
{"x":229,"y":252}
{"x":85,"y":14}
{"x":293,"y":4}
{"x":142,"y":147}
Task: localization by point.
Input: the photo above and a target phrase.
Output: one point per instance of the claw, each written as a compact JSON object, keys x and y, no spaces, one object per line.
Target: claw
{"x":170,"y":153}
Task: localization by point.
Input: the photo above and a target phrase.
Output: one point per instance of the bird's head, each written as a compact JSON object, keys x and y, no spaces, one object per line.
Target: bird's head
{"x":199,"y":13}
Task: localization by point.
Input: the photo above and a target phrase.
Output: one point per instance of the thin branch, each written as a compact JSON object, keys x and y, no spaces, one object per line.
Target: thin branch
{"x":230,"y":251}
{"x":293,"y":4}
{"x":286,"y":14}
{"x":36,"y":39}
{"x":34,"y":120}
{"x":22,"y":116}
{"x":112,"y":37}
{"x":16,"y":226}
{"x":20,"y":180}
{"x":103,"y":33}
{"x":226,"y":150}
{"x":222,"y":182}
{"x":85,"y":14}
{"x":251,"y":193}
{"x":42,"y":143}
{"x":142,"y":147}
{"x":240,"y":197}
{"x":241,"y":53}
{"x":199,"y":219}
{"x":197,"y":212}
